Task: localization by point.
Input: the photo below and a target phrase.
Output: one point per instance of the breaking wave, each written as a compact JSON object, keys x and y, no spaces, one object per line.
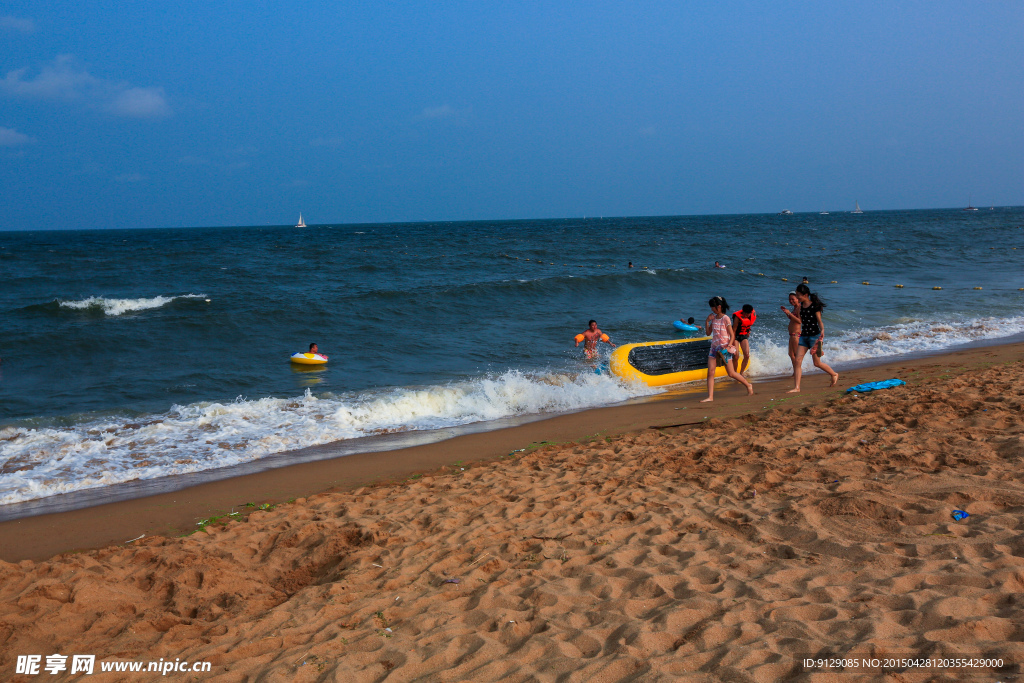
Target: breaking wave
{"x":36,"y":463}
{"x":122,"y":306}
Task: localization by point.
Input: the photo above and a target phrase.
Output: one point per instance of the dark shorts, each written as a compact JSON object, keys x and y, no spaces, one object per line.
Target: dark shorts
{"x":742,"y":337}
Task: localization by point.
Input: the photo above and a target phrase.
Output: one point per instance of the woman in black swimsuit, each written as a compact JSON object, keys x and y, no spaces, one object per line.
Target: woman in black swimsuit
{"x":812,"y":332}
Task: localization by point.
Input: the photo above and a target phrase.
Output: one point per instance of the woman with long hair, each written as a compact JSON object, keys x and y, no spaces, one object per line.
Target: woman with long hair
{"x":723,"y":346}
{"x":812,"y":332}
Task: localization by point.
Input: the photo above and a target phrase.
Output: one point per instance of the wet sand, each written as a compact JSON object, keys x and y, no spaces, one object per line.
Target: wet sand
{"x":642,"y":542}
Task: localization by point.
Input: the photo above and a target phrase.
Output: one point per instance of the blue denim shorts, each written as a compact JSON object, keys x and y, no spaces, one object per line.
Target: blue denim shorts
{"x":808,"y":341}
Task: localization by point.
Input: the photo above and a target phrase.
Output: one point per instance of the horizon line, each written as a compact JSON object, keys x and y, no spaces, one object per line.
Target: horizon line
{"x":332,"y":224}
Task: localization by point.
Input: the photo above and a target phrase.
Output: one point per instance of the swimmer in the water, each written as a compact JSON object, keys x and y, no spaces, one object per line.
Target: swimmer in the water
{"x":718,"y":265}
{"x":590,"y":337}
{"x":313,"y":348}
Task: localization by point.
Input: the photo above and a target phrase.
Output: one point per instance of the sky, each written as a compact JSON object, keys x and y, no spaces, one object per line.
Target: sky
{"x":142,"y":114}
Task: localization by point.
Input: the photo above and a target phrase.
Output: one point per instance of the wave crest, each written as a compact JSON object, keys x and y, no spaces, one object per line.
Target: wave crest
{"x":121,"y":306}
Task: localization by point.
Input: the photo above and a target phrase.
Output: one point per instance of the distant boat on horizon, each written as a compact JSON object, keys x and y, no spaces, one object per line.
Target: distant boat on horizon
{"x":970,"y":205}
{"x":785,"y":212}
{"x":823,"y":212}
{"x":857,"y":208}
{"x":301,"y":223}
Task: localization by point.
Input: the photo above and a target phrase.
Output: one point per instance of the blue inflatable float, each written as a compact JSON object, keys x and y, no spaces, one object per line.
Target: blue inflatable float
{"x":683,"y":327}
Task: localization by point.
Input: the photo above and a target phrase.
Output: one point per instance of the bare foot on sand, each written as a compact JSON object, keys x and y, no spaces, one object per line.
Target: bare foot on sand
{"x":706,"y":400}
{"x":793,"y":391}
{"x":835,"y":380}
{"x":750,"y":391}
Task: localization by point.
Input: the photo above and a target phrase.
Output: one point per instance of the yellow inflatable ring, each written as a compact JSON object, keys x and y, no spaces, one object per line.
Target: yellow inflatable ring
{"x":308,"y":358}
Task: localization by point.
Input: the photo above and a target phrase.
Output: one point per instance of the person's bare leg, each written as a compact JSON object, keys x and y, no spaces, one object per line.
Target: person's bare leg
{"x":798,"y":369}
{"x":792,"y":353}
{"x":729,"y":370}
{"x":818,"y":363}
{"x":711,"y":380}
{"x":745,"y":345}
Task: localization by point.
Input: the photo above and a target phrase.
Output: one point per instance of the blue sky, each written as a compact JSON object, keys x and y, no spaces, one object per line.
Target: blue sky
{"x":141,"y":114}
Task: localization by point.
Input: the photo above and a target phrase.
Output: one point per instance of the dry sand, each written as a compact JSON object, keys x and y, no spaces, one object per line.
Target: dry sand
{"x":725,"y":550}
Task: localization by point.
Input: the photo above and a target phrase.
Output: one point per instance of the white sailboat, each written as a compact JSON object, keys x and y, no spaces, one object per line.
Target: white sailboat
{"x":301,"y":223}
{"x":823,"y":211}
{"x":857,"y":208}
{"x":970,"y":204}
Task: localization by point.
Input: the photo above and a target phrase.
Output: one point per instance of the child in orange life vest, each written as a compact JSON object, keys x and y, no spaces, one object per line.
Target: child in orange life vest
{"x":590,"y":337}
{"x":741,"y":324}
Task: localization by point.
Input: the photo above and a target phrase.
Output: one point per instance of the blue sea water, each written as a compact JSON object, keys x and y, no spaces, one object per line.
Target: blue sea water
{"x":144,"y":354}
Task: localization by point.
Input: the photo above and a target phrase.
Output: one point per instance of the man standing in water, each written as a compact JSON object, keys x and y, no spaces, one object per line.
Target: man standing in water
{"x":590,"y":337}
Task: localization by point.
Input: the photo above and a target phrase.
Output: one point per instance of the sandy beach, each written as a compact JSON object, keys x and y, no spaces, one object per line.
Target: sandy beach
{"x":655,"y":542}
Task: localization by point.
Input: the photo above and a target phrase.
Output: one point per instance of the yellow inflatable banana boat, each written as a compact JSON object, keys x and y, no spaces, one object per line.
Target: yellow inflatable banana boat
{"x":308,"y":358}
{"x":660,"y":363}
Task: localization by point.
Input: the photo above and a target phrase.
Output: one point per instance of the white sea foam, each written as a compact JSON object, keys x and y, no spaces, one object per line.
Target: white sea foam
{"x":42,"y":462}
{"x":906,"y":336}
{"x":120,"y":306}
{"x":36,"y":463}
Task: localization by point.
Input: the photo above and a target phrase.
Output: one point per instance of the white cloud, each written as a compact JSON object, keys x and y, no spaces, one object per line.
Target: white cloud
{"x":244,"y":150}
{"x":65,"y":81}
{"x":12,"y":138}
{"x":56,"y":81}
{"x":130,"y":178}
{"x":333,"y":141}
{"x":141,"y":103}
{"x":15,"y":24}
{"x":442,"y":112}
{"x":447,"y":113}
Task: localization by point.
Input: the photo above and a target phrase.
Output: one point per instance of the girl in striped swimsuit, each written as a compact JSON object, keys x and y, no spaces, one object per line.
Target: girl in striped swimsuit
{"x":723,"y":346}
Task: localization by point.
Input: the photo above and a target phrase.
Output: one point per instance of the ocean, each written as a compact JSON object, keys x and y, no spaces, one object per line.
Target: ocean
{"x":153,"y":357}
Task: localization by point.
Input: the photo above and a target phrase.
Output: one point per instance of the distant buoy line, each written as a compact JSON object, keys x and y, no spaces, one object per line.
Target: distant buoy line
{"x":866,"y":283}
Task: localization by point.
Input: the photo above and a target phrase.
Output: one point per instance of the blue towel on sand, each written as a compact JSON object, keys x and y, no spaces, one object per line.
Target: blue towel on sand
{"x":871,"y":386}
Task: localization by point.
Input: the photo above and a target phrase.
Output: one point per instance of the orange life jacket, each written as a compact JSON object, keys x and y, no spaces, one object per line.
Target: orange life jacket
{"x":745,"y":322}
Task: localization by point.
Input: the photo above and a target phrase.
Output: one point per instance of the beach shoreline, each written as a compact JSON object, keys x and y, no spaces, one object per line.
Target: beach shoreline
{"x":173,"y":513}
{"x":762,"y":540}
